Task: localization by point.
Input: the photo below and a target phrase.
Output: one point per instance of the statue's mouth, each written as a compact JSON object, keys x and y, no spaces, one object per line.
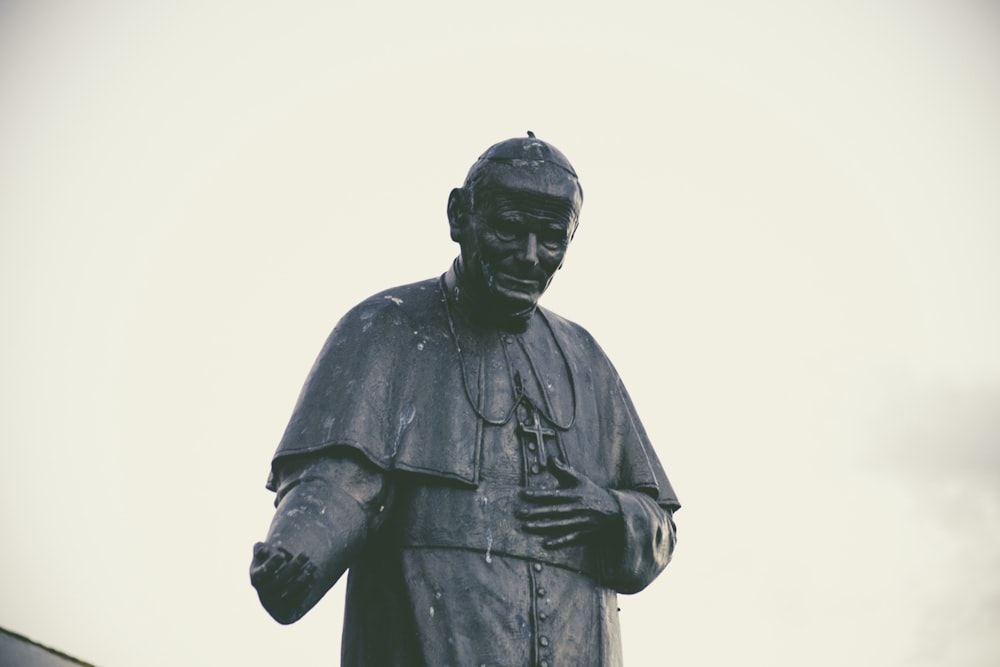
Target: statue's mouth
{"x":516,"y":283}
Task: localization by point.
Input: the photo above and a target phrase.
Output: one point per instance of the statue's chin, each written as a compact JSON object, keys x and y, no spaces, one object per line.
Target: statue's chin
{"x":509,"y":295}
{"x":512,"y":309}
{"x":505,"y":303}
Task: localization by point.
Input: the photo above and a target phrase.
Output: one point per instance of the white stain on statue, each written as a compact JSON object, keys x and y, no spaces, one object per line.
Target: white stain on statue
{"x":409,"y":412}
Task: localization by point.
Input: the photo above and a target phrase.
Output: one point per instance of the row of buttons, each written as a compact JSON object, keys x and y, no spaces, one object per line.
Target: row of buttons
{"x":541,"y":615}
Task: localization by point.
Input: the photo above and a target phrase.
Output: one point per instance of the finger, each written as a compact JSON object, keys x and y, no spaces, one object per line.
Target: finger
{"x":291,"y":570}
{"x":297,"y":587}
{"x":568,"y":539}
{"x":550,"y":495}
{"x":268,"y":548}
{"x":551,"y":511}
{"x":276,"y":572}
{"x":262,"y":551}
{"x":274,"y":560}
{"x":549,"y":526}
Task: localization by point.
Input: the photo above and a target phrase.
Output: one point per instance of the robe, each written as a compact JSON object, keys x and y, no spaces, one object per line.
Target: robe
{"x":424,"y":426}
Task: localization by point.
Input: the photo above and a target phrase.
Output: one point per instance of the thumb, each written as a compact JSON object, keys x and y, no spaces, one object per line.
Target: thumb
{"x":260,"y":552}
{"x":563,"y":472}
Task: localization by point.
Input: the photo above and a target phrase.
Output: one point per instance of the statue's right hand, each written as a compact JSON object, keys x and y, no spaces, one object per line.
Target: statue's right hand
{"x":282,"y":581}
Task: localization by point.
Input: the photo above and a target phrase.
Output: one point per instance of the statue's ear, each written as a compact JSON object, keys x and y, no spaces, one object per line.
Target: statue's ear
{"x":458,"y":212}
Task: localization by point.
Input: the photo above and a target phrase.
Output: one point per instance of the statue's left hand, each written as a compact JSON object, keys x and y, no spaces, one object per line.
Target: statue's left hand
{"x":571,"y":513}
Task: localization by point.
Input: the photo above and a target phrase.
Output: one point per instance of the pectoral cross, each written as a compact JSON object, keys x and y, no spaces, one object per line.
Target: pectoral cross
{"x":534,"y":439}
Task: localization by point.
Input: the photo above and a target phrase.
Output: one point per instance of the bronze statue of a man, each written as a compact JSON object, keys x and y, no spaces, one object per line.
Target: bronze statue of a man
{"x":472,"y":457}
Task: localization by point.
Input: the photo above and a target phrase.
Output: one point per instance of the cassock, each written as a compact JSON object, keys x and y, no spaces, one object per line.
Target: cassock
{"x":417,"y":430}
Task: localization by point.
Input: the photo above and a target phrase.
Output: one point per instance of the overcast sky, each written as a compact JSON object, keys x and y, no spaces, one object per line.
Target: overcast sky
{"x":790,"y":247}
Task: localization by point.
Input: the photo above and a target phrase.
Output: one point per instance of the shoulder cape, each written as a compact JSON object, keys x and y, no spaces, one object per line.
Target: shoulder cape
{"x":388,"y":384}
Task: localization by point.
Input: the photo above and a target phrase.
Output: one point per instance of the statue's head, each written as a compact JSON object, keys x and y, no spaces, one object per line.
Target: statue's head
{"x":514,"y":218}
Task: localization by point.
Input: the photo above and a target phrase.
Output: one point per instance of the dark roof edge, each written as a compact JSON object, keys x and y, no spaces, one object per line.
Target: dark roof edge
{"x":53,"y":651}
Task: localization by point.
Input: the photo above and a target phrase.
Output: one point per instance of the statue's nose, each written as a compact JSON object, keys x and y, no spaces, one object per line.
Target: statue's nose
{"x":530,"y":254}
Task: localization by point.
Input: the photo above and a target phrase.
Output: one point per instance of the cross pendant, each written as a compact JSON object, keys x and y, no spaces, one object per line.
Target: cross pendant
{"x":534,"y":437}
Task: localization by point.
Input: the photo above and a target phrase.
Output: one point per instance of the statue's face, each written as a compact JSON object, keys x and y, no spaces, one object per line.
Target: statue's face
{"x":515,"y":238}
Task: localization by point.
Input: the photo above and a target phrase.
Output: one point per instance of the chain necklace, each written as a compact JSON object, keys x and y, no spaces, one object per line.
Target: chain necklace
{"x":519,"y":393}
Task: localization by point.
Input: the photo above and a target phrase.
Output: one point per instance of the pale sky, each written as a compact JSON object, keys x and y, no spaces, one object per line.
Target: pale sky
{"x":790,"y":247}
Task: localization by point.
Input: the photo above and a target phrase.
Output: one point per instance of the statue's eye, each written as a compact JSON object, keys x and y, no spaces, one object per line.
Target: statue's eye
{"x":506,"y":230}
{"x":552,"y":239}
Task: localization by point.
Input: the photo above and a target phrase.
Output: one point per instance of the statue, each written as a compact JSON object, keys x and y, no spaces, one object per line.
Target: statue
{"x":472,"y":458}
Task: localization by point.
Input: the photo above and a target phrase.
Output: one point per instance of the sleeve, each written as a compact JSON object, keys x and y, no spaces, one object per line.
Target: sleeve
{"x":646,"y":546}
{"x":326,"y":507}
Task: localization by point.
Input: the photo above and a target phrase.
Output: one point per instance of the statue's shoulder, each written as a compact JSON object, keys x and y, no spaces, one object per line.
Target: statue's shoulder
{"x":569,"y":329}
{"x":400,"y":306}
{"x":405,"y":298}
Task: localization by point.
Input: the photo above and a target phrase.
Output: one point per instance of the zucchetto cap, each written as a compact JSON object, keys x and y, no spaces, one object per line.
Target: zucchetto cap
{"x":524,"y":152}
